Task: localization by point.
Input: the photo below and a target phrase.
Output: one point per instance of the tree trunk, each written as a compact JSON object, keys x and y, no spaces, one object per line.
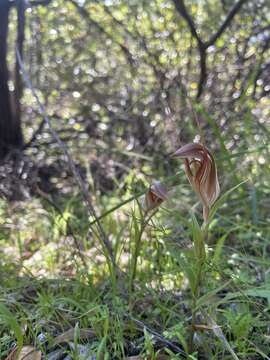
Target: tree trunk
{"x":18,"y":91}
{"x":10,"y":126}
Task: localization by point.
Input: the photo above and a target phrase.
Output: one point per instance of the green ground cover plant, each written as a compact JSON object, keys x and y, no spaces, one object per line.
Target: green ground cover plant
{"x":134,"y":180}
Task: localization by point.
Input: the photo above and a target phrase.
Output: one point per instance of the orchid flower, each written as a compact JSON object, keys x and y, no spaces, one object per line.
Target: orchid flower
{"x":201,"y":172}
{"x":156,"y":194}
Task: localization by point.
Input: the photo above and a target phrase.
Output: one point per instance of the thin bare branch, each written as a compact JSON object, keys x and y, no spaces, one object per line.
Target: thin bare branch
{"x":107,"y":247}
{"x":234,"y":10}
{"x":87,"y":17}
{"x":181,"y":8}
{"x":204,"y":45}
{"x":203,"y":71}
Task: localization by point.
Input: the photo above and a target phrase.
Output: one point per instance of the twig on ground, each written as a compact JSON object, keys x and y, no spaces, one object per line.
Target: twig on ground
{"x":158,"y":336}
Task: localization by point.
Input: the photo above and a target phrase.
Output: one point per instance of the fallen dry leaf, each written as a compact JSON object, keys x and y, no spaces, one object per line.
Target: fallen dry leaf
{"x":69,"y":335}
{"x":12,"y":354}
{"x":27,"y":353}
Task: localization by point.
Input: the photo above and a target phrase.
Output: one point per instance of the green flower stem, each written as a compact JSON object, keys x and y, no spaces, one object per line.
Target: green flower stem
{"x":197,"y":288}
{"x":138,"y":240}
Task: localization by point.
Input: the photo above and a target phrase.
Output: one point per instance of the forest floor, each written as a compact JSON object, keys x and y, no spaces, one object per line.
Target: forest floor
{"x":61,"y":297}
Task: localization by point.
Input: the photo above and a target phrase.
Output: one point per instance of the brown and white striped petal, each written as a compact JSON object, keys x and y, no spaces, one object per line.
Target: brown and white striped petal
{"x":156,"y":194}
{"x":201,"y":171}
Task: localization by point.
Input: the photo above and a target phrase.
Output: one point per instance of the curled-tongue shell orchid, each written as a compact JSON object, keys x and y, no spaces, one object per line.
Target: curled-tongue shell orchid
{"x":201,"y":171}
{"x":156,"y":194}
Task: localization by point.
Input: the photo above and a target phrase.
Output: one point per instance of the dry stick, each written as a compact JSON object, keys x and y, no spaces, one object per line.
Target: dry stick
{"x":158,"y":336}
{"x":90,"y":208}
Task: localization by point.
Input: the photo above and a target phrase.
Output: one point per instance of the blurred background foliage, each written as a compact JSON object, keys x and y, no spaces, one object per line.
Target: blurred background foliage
{"x":121,"y":77}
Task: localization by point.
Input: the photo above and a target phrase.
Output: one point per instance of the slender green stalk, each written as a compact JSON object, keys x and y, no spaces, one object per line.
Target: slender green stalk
{"x":135,"y":257}
{"x":195,"y":296}
{"x":198,"y":284}
{"x":138,"y":241}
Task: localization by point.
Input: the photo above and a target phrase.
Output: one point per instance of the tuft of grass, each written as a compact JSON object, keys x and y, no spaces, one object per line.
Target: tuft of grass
{"x":55,"y":280}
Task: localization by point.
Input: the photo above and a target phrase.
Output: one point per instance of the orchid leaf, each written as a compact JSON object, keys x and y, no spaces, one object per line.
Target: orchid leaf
{"x":222,"y":199}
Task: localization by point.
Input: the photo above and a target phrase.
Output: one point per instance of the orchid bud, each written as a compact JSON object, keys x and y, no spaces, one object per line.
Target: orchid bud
{"x":201,"y":171}
{"x":156,"y":194}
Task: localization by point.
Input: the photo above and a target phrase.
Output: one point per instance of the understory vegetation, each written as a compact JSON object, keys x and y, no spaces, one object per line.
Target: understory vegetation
{"x":117,"y":241}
